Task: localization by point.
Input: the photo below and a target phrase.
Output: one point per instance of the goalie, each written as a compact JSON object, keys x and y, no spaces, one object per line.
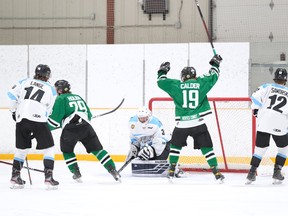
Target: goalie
{"x":149,"y":144}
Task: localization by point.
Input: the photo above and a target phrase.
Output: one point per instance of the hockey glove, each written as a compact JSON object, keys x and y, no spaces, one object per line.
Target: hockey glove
{"x":255,"y":113}
{"x":216,"y":60}
{"x":133,"y":153}
{"x":164,"y":67}
{"x":14,"y":116}
{"x":146,"y":153}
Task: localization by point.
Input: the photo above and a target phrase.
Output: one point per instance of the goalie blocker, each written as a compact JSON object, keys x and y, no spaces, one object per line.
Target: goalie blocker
{"x":152,"y":168}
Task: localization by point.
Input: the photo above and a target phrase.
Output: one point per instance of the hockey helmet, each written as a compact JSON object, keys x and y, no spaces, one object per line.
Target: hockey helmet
{"x":188,"y":73}
{"x":143,"y":114}
{"x":63,"y":86}
{"x":280,"y":74}
{"x":42,"y":72}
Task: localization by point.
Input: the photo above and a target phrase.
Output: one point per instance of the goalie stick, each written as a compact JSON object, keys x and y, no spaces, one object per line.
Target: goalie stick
{"x":29,"y":168}
{"x":205,"y":26}
{"x":126,"y":163}
{"x":111,"y":111}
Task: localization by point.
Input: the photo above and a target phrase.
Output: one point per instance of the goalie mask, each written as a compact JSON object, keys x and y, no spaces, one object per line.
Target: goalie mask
{"x":188,"y":73}
{"x":280,"y":75}
{"x":62,"y":86}
{"x":42,"y":72}
{"x":143,"y":114}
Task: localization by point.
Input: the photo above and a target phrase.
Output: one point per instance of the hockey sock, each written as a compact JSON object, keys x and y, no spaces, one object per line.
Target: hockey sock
{"x":48,"y":163}
{"x":17,"y":164}
{"x":210,"y":157}
{"x":104,"y":159}
{"x":280,"y":160}
{"x":174,"y":154}
{"x":70,"y":160}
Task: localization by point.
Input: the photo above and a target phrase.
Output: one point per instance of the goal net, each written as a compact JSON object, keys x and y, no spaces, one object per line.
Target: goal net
{"x":231,"y":126}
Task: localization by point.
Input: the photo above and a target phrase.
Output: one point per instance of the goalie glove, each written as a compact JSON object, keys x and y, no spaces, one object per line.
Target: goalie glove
{"x":216,"y":60}
{"x":146,"y":153}
{"x":133,"y":152}
{"x":164,"y":67}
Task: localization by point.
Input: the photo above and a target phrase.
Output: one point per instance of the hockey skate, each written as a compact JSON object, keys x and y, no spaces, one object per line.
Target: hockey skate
{"x":179,"y":173}
{"x":251,"y":175}
{"x":277,"y":175}
{"x":16,"y":181}
{"x":218,"y":175}
{"x":171,"y":171}
{"x":77,"y":175}
{"x":49,"y":181}
{"x":115,"y":174}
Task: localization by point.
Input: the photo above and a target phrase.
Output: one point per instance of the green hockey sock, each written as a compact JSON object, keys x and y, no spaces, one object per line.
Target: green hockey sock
{"x":210,"y":156}
{"x":70,"y":160}
{"x":174,"y":154}
{"x":104,"y":159}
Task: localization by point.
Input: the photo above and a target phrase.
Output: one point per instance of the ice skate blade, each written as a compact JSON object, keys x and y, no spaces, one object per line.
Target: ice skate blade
{"x":79,"y":180}
{"x":170,"y":179}
{"x":16,"y":186}
{"x":220,"y":181}
{"x":51,"y":187}
{"x":277,"y":182}
{"x":248,"y":182}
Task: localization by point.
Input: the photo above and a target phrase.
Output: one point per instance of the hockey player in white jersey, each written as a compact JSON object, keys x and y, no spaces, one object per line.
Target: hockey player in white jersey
{"x":31,"y":103}
{"x":149,"y":143}
{"x":269,"y":105}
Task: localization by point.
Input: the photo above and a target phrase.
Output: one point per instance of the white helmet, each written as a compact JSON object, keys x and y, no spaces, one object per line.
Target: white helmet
{"x":143,"y":114}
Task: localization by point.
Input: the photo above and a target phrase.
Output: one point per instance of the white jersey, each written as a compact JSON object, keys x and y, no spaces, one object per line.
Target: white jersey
{"x":150,"y":133}
{"x":272,"y":102}
{"x":32,"y":99}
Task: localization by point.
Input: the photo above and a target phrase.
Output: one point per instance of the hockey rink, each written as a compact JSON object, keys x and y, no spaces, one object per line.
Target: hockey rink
{"x":99,"y":194}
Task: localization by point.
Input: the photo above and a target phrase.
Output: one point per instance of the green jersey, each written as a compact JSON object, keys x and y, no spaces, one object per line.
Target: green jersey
{"x":190,"y":97}
{"x":64,"y":109}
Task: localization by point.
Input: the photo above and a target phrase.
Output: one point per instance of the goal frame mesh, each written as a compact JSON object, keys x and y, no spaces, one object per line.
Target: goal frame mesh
{"x":222,"y":157}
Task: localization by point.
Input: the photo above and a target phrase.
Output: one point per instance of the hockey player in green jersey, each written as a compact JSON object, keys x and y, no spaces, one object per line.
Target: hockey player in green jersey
{"x":71,"y":113}
{"x":191,"y":106}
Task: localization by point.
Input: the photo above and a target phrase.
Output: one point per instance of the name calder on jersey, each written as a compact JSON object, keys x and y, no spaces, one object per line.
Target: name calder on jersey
{"x":190,"y":85}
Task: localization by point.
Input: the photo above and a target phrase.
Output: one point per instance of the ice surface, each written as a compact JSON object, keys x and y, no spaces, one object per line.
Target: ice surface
{"x":99,"y":194}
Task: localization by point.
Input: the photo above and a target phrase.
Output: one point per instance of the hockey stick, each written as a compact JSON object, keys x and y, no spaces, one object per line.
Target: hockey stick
{"x":205,"y":26}
{"x":111,"y":111}
{"x":37,"y":170}
{"x":28,"y":169}
{"x":126,"y":163}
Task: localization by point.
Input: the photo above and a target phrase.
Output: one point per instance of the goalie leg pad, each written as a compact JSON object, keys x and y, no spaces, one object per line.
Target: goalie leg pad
{"x":153,"y":168}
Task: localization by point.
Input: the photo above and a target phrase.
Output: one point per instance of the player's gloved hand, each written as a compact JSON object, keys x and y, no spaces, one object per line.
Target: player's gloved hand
{"x":14,"y":116}
{"x":164,"y":67}
{"x":255,"y":113}
{"x":216,"y":60}
{"x":146,"y":153}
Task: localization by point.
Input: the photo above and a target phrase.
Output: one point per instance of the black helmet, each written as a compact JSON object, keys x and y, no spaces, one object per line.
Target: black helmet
{"x":188,"y":73}
{"x":62,"y":85}
{"x":42,"y":71}
{"x":280,"y":74}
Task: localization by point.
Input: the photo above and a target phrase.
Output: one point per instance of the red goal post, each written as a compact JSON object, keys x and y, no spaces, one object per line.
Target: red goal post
{"x":231,"y":126}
